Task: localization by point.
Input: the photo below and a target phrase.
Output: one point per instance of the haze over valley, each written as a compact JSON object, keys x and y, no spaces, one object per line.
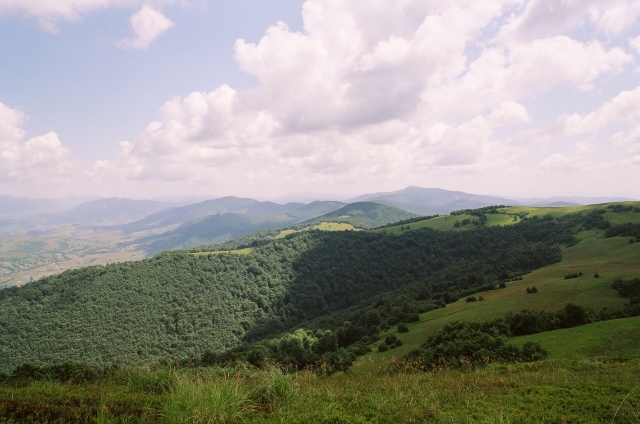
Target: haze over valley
{"x":41,"y":237}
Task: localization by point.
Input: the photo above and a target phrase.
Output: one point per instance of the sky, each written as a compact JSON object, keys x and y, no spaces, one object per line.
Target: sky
{"x":267,"y":98}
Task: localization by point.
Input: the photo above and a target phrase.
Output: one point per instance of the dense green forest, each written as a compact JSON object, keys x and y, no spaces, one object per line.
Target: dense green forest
{"x":177,"y":305}
{"x":363,"y":215}
{"x":219,"y":334}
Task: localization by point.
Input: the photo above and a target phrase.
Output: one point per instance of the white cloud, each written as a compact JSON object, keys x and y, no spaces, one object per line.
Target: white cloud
{"x":620,"y":139}
{"x":387,"y":89}
{"x":202,"y":131}
{"x":10,"y":125}
{"x":148,"y":24}
{"x":546,"y":18}
{"x":625,"y":107}
{"x":635,"y":44}
{"x":50,"y":12}
{"x":541,"y":64}
{"x":506,"y":74}
{"x":37,"y":159}
{"x":617,"y":16}
{"x":558,"y":161}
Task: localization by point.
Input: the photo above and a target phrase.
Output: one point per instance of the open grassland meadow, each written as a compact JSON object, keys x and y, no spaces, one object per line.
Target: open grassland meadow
{"x":491,"y":315}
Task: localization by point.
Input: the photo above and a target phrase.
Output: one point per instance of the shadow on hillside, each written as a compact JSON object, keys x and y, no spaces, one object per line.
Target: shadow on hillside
{"x":337,"y":271}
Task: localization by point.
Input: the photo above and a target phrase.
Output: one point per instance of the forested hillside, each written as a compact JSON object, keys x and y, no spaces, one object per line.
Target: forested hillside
{"x":177,"y":304}
{"x":364,"y":215}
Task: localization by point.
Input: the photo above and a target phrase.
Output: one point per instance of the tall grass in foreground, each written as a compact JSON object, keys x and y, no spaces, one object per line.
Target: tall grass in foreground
{"x":556,"y":391}
{"x":215,"y":396}
{"x":207,"y":401}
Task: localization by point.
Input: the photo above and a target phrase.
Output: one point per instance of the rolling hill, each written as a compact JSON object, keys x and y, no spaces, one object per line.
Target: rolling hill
{"x":214,"y":229}
{"x":363,"y":215}
{"x":181,"y":215}
{"x":179,"y":298}
{"x":178,"y":304}
{"x":247,"y":228}
{"x":309,"y":301}
{"x":609,"y":257}
{"x":220,"y":227}
{"x":431,"y":201}
{"x":435,"y":200}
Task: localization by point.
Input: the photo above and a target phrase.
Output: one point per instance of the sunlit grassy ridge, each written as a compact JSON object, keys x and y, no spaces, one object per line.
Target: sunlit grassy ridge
{"x":618,"y":337}
{"x":513,"y":215}
{"x":245,"y":251}
{"x":323,"y":226}
{"x":609,"y":257}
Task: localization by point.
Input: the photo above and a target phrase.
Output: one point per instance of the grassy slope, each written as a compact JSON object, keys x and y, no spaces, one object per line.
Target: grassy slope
{"x":619,"y":337}
{"x":244,"y":251}
{"x":362,"y":215}
{"x":613,"y":257}
{"x":323,"y":226}
{"x":511,"y":216}
{"x":549,"y":391}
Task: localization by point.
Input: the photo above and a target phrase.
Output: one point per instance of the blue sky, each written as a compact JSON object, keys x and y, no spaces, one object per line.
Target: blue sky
{"x":78,"y":83}
{"x":265,"y":98}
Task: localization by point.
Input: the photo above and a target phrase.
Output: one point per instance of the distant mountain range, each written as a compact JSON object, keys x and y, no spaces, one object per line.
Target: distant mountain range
{"x":115,"y":229}
{"x":110,"y":211}
{"x":130,"y":217}
{"x":16,"y":207}
{"x":243,"y":229}
{"x":219,"y":220}
{"x":429,"y":201}
{"x":569,"y":200}
{"x":432,"y":200}
{"x":229,"y":205}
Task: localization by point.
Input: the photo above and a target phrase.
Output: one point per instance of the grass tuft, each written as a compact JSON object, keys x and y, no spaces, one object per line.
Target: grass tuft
{"x":200,"y":399}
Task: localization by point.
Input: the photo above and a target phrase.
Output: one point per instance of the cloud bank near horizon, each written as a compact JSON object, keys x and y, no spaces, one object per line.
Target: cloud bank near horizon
{"x":396,"y":92}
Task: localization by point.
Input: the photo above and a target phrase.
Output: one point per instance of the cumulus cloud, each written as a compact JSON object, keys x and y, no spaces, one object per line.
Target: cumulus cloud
{"x":49,"y":12}
{"x":148,"y":24}
{"x":625,"y":107}
{"x":546,"y":18}
{"x":635,"y":44}
{"x":390,"y":88}
{"x":201,"y":131}
{"x":37,"y":159}
{"x":558,"y":161}
{"x":622,"y":139}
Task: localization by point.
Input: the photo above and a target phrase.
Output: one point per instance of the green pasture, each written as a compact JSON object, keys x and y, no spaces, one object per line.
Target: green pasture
{"x":323,"y":226}
{"x":513,"y":215}
{"x":442,"y":223}
{"x":610,"y":258}
{"x":554,"y":391}
{"x":334,"y":226}
{"x":284,"y":233}
{"x":618,"y":337}
{"x":244,"y":251}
